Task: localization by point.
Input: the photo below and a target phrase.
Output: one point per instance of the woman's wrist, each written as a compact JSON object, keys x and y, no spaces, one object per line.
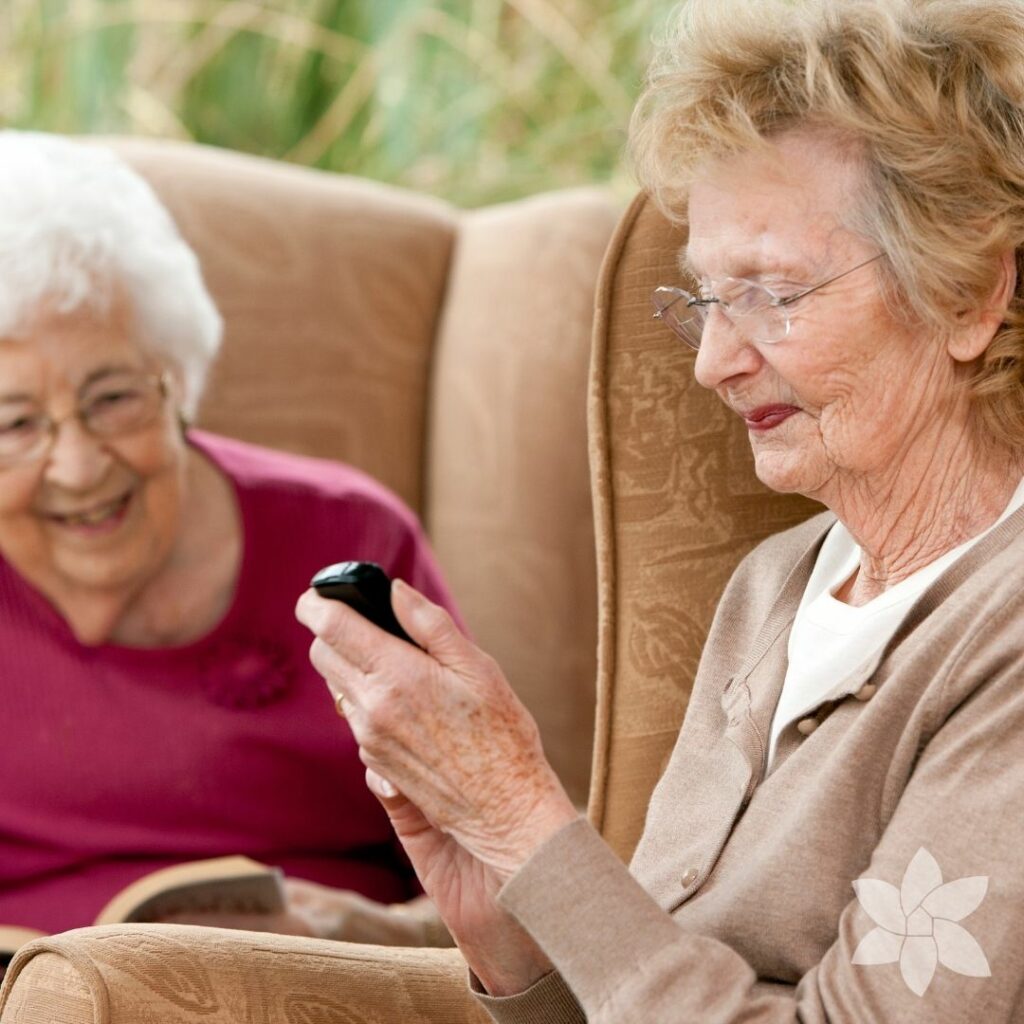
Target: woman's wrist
{"x":500,"y":952}
{"x":509,"y":962}
{"x":522,"y":834}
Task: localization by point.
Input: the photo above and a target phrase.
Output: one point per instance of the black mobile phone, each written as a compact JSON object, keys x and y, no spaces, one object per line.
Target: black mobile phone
{"x":365,"y":587}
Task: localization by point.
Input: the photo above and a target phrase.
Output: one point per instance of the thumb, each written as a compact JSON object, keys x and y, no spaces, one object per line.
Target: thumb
{"x":431,"y":627}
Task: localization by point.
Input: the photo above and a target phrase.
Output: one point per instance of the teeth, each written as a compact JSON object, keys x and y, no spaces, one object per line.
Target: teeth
{"x":96,"y":516}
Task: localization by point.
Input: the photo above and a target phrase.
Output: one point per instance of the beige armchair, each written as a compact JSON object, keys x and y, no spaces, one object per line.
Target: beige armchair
{"x":677,"y":505}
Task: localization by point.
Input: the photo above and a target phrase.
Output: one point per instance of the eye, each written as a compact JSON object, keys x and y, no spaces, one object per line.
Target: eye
{"x":112,"y":397}
{"x":111,"y":401}
{"x":784,"y":290}
{"x":20,"y":425}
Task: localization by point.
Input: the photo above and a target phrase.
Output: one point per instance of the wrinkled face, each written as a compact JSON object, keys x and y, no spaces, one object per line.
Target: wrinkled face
{"x":90,"y":513}
{"x":849,"y":395}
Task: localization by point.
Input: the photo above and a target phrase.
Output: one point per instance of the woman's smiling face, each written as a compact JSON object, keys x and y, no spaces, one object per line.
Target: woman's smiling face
{"x":91,"y":513}
{"x":845,"y":396}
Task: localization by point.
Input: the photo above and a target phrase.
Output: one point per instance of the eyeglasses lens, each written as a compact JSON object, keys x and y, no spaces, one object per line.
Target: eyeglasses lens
{"x":122,"y":407}
{"x":116,"y":406}
{"x":751,"y":308}
{"x":686,"y":321}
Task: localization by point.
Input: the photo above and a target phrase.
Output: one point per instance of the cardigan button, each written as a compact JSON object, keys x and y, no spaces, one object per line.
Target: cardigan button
{"x":689,"y":877}
{"x":806,"y":726}
{"x":866,"y":692}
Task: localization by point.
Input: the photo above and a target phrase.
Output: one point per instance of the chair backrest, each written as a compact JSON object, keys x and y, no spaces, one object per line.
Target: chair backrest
{"x":330,"y":289}
{"x":677,"y":506}
{"x":445,"y":353}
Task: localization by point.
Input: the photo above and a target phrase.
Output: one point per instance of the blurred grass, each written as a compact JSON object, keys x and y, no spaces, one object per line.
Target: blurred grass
{"x":473,"y":100}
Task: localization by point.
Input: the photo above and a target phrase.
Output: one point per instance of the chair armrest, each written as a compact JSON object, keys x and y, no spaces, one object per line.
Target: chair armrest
{"x":122,"y":974}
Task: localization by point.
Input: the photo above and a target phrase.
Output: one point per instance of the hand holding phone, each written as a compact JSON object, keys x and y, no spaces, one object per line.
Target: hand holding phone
{"x":365,"y":587}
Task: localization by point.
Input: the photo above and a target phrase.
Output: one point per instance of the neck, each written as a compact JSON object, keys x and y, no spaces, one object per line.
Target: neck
{"x":921,"y":507}
{"x":194,"y":589}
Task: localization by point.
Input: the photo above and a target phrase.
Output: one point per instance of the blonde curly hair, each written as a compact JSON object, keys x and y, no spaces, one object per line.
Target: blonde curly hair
{"x":931,"y":94}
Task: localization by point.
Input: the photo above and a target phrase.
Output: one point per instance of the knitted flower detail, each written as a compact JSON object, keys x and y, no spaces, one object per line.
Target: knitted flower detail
{"x":246,"y":674}
{"x":917,"y":923}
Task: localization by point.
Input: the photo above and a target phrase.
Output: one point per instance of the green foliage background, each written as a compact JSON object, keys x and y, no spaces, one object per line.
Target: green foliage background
{"x":473,"y":100}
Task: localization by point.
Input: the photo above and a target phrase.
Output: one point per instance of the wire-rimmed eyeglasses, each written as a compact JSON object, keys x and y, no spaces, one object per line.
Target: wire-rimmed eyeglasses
{"x":751,"y":307}
{"x":117,"y":405}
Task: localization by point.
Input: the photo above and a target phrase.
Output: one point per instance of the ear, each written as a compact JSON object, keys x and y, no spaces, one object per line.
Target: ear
{"x":974,"y":333}
{"x":175,"y":381}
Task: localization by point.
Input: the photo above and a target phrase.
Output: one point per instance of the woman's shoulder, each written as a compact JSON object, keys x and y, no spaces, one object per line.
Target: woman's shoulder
{"x":772,"y":560}
{"x":257,"y":471}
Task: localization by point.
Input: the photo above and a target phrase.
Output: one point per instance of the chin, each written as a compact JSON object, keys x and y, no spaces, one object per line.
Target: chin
{"x":783,"y":471}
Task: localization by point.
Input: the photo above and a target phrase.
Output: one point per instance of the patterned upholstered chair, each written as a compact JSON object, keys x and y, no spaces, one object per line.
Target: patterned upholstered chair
{"x":677,"y":506}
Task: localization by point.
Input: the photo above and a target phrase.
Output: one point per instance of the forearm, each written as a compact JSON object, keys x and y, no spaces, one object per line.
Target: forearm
{"x":548,"y":1001}
{"x":616,"y":951}
{"x":502,"y":956}
{"x":499,"y":951}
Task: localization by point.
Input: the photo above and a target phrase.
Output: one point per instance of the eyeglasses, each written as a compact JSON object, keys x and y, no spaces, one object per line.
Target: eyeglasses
{"x":752,"y":308}
{"x":117,"y":405}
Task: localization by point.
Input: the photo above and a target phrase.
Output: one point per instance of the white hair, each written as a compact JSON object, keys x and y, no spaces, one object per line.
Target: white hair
{"x":77,"y":224}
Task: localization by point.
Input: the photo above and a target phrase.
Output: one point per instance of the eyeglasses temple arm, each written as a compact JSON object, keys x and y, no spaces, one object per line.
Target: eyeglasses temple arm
{"x":789,"y":299}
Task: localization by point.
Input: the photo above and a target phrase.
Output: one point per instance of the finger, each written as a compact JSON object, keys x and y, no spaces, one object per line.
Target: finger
{"x":381,"y":788}
{"x":406,"y":818}
{"x":340,"y":675}
{"x":433,"y":628}
{"x":348,"y":633}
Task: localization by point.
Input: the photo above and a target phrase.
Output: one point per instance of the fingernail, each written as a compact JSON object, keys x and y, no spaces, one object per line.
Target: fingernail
{"x":379,"y":785}
{"x":309,"y":608}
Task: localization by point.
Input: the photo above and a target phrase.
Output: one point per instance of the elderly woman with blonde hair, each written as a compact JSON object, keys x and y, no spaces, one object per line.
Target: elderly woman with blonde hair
{"x":837,"y":834}
{"x":156,"y":700}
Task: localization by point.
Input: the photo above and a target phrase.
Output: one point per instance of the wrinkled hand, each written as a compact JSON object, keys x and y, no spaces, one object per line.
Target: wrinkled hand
{"x":455,"y":759}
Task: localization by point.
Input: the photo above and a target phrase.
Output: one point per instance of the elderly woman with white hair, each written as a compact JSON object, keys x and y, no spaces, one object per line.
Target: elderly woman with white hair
{"x":156,"y":700}
{"x":837,"y":836}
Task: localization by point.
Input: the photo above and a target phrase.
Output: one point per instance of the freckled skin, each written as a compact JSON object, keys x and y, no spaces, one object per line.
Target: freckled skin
{"x":476,"y":795}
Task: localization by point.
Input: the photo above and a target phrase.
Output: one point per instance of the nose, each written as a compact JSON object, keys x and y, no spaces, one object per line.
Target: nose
{"x":77,"y":461}
{"x":724,"y":352}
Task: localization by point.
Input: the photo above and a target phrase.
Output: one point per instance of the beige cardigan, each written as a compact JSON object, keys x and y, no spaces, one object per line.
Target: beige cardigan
{"x":739,"y":904}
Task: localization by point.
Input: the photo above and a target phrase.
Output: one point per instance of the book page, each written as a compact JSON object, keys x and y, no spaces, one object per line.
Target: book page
{"x":235,"y":884}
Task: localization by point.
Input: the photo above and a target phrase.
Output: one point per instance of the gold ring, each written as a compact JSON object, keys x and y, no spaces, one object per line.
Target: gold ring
{"x":339,"y":705}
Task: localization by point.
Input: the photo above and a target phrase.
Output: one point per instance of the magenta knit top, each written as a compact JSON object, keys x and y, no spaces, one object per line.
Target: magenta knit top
{"x":116,"y":761}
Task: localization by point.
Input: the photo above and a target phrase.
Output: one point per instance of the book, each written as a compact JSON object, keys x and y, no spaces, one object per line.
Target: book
{"x":235,"y":884}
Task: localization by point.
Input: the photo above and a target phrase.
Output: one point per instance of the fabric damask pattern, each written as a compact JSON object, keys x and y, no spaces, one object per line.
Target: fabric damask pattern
{"x":186,"y":981}
{"x":176,"y":974}
{"x":300,"y":1008}
{"x":664,"y":641}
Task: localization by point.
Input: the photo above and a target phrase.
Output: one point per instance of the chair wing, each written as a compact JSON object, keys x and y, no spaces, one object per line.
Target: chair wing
{"x":677,"y":506}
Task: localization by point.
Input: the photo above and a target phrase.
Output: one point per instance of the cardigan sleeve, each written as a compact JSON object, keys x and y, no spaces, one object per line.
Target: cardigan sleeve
{"x":931,"y":931}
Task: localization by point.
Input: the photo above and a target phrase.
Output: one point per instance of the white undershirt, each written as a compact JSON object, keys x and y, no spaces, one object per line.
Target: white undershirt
{"x":830,"y":640}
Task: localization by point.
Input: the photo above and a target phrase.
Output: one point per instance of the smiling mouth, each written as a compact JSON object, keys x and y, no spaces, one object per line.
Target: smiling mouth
{"x":95,"y":516}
